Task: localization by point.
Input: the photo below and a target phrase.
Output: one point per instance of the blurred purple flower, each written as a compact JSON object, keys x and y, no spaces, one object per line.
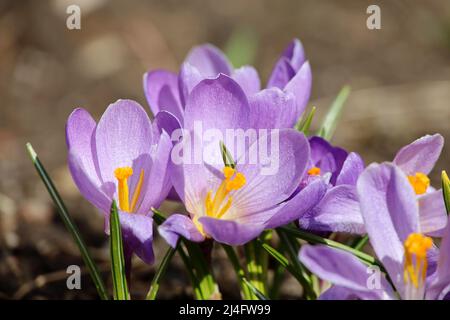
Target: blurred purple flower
{"x":123,"y":157}
{"x":390,"y":210}
{"x":234,"y":206}
{"x":282,"y":103}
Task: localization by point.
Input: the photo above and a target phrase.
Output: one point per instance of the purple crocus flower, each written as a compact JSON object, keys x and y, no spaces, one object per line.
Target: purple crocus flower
{"x":234,"y":205}
{"x":391,"y":215}
{"x":416,"y":160}
{"x":283,"y":101}
{"x":338,"y":170}
{"x":122,"y":157}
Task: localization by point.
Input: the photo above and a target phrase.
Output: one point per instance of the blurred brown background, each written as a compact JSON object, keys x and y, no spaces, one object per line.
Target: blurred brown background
{"x":400,"y":79}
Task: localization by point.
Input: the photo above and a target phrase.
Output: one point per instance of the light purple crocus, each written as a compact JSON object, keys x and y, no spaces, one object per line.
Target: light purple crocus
{"x":338,"y":170}
{"x":339,"y":210}
{"x":416,"y":160}
{"x":123,"y":157}
{"x":391,"y":215}
{"x":282,"y":102}
{"x":234,"y":206}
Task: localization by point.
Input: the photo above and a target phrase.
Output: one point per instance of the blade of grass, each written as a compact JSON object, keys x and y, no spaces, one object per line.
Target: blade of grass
{"x":117,"y":256}
{"x":303,"y":125}
{"x":70,"y":225}
{"x":159,"y":218}
{"x":312,"y":238}
{"x":240,"y":273}
{"x":255,"y":265}
{"x":361,"y":243}
{"x":446,"y":190}
{"x":254,"y":290}
{"x":329,"y":124}
{"x":292,"y":248}
{"x":277,"y":278}
{"x":284,"y":262}
{"x":154,"y":287}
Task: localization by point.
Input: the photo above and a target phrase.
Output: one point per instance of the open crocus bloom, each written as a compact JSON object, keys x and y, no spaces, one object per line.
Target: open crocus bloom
{"x":416,"y":160}
{"x":233,"y":205}
{"x":338,"y":210}
{"x":282,"y":103}
{"x":391,"y":215}
{"x":125,"y":158}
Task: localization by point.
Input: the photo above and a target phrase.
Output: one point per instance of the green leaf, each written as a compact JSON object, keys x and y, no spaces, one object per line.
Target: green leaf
{"x":446,"y":190}
{"x":303,"y":126}
{"x":117,"y":256}
{"x":154,"y":287}
{"x":70,"y":225}
{"x":255,"y":266}
{"x":196,"y":265}
{"x":284,"y":262}
{"x":292,"y":248}
{"x":228,"y":160}
{"x":361,"y":243}
{"x":312,"y":238}
{"x":254,"y":290}
{"x":328,"y":127}
{"x":240,"y":273}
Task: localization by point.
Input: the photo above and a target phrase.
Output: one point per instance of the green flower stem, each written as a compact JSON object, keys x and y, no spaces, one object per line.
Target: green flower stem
{"x":198,"y":268}
{"x":246,"y":292}
{"x":255,"y":268}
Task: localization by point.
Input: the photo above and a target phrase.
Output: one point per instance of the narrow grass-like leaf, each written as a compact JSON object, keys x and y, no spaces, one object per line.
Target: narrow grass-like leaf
{"x":312,"y":238}
{"x":70,"y":225}
{"x":255,"y":268}
{"x":240,"y":273}
{"x":202,"y":283}
{"x":303,"y":125}
{"x":446,"y":190}
{"x":154,"y":287}
{"x":292,"y":249}
{"x":328,"y":127}
{"x":254,"y":290}
{"x":120,"y":286}
{"x":285,"y":263}
{"x":228,"y":160}
{"x":361,"y":243}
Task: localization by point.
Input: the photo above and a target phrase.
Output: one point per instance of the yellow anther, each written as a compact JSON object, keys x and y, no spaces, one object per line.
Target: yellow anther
{"x":215,"y":206}
{"x":228,"y":172}
{"x":122,"y":174}
{"x":420,"y":182}
{"x":416,"y":248}
{"x":237,"y":183}
{"x":314,"y":171}
{"x":137,"y":191}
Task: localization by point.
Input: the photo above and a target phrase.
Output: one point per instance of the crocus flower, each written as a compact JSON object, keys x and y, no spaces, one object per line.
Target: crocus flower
{"x":123,"y":157}
{"x":282,"y":102}
{"x":416,"y":160}
{"x":234,"y":205}
{"x":391,"y":215}
{"x":338,"y":210}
